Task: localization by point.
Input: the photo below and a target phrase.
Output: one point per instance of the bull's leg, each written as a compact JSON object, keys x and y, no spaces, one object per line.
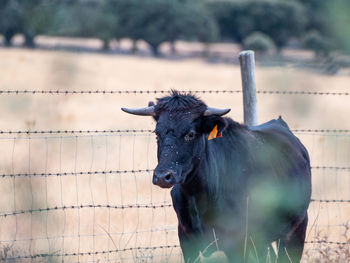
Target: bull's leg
{"x":189,"y":228}
{"x":291,"y":249}
{"x":190,"y":245}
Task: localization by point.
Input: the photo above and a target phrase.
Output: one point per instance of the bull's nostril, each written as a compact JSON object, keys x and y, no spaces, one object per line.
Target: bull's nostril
{"x":168,"y":177}
{"x":164,"y":178}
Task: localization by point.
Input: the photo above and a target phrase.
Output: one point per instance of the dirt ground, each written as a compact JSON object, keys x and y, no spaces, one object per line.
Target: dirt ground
{"x":93,"y":229}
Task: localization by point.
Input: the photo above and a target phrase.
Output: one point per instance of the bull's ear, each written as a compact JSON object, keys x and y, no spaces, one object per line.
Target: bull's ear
{"x":155,"y":117}
{"x":208,"y":124}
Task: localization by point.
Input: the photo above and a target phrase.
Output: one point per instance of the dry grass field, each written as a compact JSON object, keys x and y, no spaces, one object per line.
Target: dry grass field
{"x":63,"y":230}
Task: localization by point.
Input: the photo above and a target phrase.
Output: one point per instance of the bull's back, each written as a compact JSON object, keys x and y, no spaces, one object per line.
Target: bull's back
{"x":277,"y":134}
{"x":281,"y":183}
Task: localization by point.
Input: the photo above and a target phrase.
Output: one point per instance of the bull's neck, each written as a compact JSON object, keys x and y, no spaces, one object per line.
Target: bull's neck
{"x":219,"y":161}
{"x":200,"y":187}
{"x":195,"y":183}
{"x":198,"y":182}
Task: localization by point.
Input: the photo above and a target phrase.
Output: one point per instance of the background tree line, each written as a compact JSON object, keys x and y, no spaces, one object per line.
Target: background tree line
{"x":319,"y":25}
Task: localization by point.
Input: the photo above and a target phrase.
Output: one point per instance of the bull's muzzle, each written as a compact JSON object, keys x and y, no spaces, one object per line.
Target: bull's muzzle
{"x":164,"y":179}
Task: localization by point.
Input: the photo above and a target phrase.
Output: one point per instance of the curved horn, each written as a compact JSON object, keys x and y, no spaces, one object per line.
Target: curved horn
{"x":214,"y":111}
{"x":146,"y":111}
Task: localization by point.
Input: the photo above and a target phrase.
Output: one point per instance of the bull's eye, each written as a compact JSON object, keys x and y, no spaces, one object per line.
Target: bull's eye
{"x":190,"y":136}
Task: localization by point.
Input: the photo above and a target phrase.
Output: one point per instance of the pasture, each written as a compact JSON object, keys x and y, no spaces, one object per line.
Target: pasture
{"x":105,"y":208}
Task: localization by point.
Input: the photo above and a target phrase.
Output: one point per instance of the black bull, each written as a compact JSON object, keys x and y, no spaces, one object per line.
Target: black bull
{"x":250,"y":187}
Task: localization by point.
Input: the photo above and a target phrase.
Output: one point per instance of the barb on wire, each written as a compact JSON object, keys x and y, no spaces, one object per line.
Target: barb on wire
{"x":103,"y":252}
{"x":38,"y":210}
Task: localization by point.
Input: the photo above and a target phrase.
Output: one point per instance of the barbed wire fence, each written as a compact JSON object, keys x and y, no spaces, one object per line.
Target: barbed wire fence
{"x":86,"y":195}
{"x":135,"y":92}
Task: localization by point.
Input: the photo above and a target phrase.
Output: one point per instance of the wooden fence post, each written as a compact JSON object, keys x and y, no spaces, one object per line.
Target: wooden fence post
{"x":246,"y":59}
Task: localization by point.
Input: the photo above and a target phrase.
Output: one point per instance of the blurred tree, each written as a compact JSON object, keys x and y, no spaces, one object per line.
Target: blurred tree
{"x":30,"y":17}
{"x":330,"y":19}
{"x":314,"y":41}
{"x":159,"y":21}
{"x":10,"y":19}
{"x":152,"y":20}
{"x":85,"y":19}
{"x":258,"y":42}
{"x":106,"y":24}
{"x":192,"y":22}
{"x":197,"y":23}
{"x":280,"y":20}
{"x":36,"y":19}
{"x":76,"y":19}
{"x":339,"y":21}
{"x":316,"y":13}
{"x":125,"y":12}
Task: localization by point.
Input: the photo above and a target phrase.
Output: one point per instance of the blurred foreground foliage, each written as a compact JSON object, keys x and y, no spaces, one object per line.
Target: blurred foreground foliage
{"x":320,"y":25}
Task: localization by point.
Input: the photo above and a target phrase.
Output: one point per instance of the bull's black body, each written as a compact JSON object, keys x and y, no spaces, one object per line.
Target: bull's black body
{"x":251,"y":187}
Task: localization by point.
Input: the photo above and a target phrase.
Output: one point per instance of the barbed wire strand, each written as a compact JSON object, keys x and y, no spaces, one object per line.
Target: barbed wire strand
{"x":40,"y":132}
{"x":331,"y":200}
{"x":321,"y":130}
{"x":345,"y":168}
{"x":296,"y":92}
{"x":26,"y":132}
{"x":79,"y":92}
{"x":77,"y":173}
{"x":127,"y":206}
{"x":102,"y":252}
{"x":326,"y":242}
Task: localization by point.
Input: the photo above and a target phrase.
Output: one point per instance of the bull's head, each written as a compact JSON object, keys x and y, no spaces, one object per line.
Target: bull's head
{"x":183,"y":125}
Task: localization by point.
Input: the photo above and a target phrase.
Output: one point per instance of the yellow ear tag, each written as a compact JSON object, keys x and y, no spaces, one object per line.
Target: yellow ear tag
{"x":214,"y":133}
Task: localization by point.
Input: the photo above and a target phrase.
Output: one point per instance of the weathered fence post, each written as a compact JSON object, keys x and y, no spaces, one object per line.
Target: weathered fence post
{"x":246,"y":59}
